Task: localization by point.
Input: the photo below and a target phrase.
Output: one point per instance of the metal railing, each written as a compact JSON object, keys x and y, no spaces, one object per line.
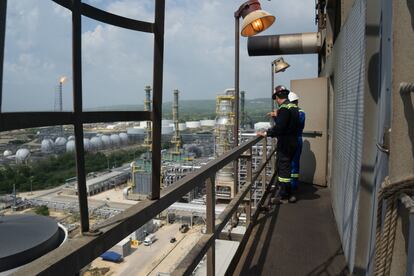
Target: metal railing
{"x":71,"y":257}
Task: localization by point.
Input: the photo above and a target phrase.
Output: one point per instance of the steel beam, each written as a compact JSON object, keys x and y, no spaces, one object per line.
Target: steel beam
{"x":157,"y":97}
{"x":3,"y":15}
{"x":211,"y":218}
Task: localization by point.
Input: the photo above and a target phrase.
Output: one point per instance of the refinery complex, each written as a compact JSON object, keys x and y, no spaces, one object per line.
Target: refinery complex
{"x":190,"y":145}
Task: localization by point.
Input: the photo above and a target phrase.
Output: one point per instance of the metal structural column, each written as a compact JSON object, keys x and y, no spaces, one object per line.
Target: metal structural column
{"x":157,"y":97}
{"x":264,"y":158}
{"x":77,"y":107}
{"x":236,"y":99}
{"x":249,"y":175}
{"x":3,"y":15}
{"x":211,"y":224}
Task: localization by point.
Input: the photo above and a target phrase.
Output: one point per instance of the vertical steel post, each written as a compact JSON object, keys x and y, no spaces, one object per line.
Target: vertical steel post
{"x":249,"y":175}
{"x":77,"y":107}
{"x":157,"y":97}
{"x":211,"y":220}
{"x":264,"y":158}
{"x":236,"y":99}
{"x":3,"y":15}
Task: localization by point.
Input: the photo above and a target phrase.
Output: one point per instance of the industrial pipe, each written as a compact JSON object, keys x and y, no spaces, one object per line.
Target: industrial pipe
{"x":286,"y":44}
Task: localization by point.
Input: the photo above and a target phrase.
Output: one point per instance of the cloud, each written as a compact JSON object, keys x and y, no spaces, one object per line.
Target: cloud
{"x":117,"y":63}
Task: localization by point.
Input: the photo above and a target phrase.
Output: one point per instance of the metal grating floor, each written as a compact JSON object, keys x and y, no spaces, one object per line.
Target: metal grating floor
{"x":296,"y":239}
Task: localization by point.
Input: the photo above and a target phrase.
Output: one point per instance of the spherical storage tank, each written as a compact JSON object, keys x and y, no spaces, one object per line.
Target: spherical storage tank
{"x":87,"y":146}
{"x":106,"y":141}
{"x":115,"y":140}
{"x":124,"y":138}
{"x":96,"y":143}
{"x":70,"y":146}
{"x":22,"y":155}
{"x":7,"y":153}
{"x":60,"y":141}
{"x":47,"y":146}
{"x":193,"y":124}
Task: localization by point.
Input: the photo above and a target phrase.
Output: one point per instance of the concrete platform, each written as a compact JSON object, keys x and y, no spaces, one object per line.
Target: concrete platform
{"x":295,"y":239}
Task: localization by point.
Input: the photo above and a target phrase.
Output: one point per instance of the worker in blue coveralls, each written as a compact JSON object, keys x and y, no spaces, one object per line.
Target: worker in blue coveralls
{"x":294,"y":174}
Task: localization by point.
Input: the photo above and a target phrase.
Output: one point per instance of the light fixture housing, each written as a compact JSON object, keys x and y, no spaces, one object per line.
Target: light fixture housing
{"x":256,"y":22}
{"x":280,"y":65}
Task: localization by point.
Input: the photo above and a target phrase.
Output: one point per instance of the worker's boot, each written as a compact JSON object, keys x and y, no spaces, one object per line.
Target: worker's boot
{"x":291,"y":197}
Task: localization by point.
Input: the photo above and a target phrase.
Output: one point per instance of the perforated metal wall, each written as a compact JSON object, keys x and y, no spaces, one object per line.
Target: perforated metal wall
{"x":349,"y":72}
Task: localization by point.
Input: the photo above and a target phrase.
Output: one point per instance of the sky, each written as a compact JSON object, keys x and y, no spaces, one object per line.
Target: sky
{"x":117,"y":64}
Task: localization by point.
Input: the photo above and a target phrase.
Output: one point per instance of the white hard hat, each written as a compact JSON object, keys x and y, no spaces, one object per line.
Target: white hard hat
{"x":293,"y":97}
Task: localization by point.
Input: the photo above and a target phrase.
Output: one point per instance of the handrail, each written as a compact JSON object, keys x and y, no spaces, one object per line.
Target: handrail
{"x":206,"y":242}
{"x":71,"y":257}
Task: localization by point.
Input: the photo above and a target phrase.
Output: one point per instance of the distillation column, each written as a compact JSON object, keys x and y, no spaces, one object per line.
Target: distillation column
{"x":224,"y":141}
{"x":242,"y":112}
{"x":147,"y":107}
{"x":176,"y":139}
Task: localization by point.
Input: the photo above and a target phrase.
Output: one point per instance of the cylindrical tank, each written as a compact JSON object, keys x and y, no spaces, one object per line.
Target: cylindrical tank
{"x":136,"y":131}
{"x":70,"y":146}
{"x":60,"y":141}
{"x":261,"y":126}
{"x":193,"y":124}
{"x":46,"y":146}
{"x":182,"y":126}
{"x":96,"y":143}
{"x":166,"y":122}
{"x":207,"y":123}
{"x":22,"y":155}
{"x":167,"y":130}
{"x":70,"y":138}
{"x":7,"y":153}
{"x":106,"y":141}
{"x":115,"y":140}
{"x":124,"y":138}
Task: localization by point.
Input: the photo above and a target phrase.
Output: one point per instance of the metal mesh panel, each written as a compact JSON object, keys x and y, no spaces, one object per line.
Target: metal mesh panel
{"x":349,"y":76}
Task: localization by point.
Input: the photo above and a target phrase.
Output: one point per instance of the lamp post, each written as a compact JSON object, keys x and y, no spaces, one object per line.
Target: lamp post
{"x":255,"y":20}
{"x":278,"y":65}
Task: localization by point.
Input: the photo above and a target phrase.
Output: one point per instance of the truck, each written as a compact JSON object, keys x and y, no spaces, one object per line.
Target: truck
{"x":150,"y":239}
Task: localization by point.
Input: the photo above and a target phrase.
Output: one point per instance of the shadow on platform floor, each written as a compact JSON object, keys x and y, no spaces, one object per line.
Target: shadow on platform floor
{"x":295,"y":239}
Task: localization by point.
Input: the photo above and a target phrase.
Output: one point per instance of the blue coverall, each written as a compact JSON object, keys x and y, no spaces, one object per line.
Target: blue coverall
{"x":294,"y":173}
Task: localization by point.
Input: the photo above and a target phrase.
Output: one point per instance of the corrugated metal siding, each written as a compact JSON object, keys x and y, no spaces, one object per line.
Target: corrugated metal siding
{"x":349,"y":73}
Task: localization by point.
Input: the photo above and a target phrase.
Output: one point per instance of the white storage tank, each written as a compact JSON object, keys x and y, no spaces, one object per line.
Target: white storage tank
{"x":182,"y":126}
{"x":193,"y":124}
{"x":124,"y":138}
{"x":70,"y":146}
{"x":208,"y":123}
{"x":60,"y":141}
{"x":22,"y":155}
{"x":7,"y":153}
{"x":135,"y":131}
{"x":70,"y":138}
{"x":106,"y":141}
{"x":261,"y":126}
{"x":46,"y":146}
{"x":115,"y":140}
{"x":167,"y":130}
{"x":96,"y":143}
{"x":166,"y":122}
{"x":87,"y":144}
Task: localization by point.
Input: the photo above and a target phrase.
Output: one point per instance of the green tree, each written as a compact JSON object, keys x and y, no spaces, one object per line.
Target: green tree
{"x":42,"y":210}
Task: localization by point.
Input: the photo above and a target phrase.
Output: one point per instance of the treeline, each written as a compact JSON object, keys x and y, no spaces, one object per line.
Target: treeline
{"x":54,"y":170}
